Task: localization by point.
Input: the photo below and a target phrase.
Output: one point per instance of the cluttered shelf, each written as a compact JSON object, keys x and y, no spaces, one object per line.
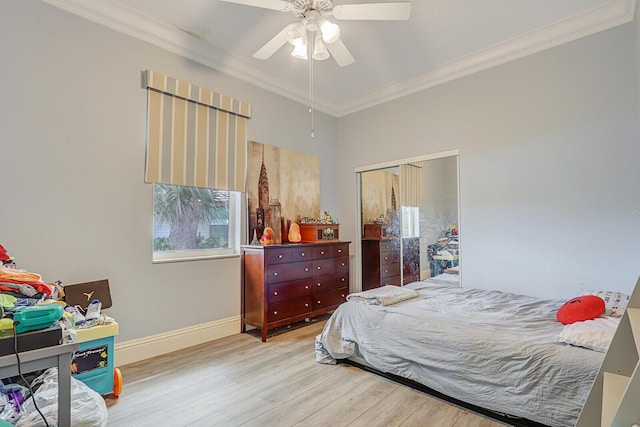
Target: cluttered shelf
{"x":444,"y":253}
{"x":58,"y":336}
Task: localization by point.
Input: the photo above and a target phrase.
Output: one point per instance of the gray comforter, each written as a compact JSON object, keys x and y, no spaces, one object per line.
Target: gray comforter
{"x":492,"y":349}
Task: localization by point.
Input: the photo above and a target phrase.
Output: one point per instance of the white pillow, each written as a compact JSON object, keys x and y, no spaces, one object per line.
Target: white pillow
{"x":594,"y":334}
{"x":615,"y":302}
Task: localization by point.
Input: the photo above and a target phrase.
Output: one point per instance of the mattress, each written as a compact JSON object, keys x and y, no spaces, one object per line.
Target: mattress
{"x":491,"y":349}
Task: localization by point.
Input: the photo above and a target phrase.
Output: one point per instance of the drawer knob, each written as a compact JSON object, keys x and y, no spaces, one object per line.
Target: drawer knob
{"x":319,"y":302}
{"x":339,"y":251}
{"x":306,"y":304}
{"x":342,"y":279}
{"x":306,"y":286}
{"x":275,"y":312}
{"x":275,"y":293}
{"x":275,"y":274}
{"x":280,"y":256}
{"x":321,"y":252}
{"x":385,"y":258}
{"x":306,"y":269}
{"x":302,"y":254}
{"x":386,"y":271}
{"x":318,"y":284}
{"x":318,"y":267}
{"x":342,"y":264}
{"x":342,"y":295}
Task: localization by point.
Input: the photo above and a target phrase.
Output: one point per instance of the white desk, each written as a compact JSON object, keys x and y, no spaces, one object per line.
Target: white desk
{"x":59,"y":356}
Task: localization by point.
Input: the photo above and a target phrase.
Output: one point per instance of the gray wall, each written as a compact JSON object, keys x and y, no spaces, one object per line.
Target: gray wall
{"x":549,"y":149}
{"x":72,"y":131}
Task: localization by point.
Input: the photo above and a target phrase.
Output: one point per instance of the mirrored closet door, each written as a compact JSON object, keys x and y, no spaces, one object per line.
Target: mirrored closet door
{"x":409,"y":219}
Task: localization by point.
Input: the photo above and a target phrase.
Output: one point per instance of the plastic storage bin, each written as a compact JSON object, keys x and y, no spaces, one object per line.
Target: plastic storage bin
{"x":93,"y":362}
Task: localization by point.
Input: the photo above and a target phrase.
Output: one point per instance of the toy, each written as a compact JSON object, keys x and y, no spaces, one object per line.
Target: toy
{"x":267,"y":237}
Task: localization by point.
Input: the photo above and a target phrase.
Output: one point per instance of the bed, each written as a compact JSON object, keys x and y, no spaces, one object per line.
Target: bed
{"x":491,"y":349}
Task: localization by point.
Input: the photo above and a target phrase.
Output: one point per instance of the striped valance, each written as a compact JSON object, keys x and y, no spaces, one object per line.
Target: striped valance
{"x":195,"y":137}
{"x":180,"y":89}
{"x":411,"y":181}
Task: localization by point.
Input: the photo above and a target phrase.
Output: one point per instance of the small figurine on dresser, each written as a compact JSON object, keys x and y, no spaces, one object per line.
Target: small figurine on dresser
{"x":267,"y":237}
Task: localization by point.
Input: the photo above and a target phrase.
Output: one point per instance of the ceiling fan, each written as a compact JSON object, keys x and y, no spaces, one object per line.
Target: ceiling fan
{"x":314,"y":34}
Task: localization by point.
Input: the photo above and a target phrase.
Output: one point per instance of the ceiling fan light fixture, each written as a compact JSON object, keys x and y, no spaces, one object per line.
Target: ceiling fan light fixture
{"x":297,"y":35}
{"x":330,"y":31}
{"x":320,"y":52}
{"x":300,"y":51}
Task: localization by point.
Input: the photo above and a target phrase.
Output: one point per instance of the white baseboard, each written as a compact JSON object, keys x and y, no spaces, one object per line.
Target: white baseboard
{"x":155,"y":345}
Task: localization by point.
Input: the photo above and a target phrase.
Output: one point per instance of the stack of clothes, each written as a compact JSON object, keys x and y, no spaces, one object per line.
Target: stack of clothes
{"x":21,"y":287}
{"x":24,"y":285}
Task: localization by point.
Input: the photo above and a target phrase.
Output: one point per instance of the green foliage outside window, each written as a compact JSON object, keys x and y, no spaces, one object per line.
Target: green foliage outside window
{"x":185,"y":209}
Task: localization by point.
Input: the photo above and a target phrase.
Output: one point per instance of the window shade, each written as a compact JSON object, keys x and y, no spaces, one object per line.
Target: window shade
{"x":411,"y":184}
{"x":195,"y":137}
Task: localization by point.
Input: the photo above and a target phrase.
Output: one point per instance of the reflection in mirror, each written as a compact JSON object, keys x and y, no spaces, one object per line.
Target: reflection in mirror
{"x":439,"y":238}
{"x":380,"y":228}
{"x":409,"y":223}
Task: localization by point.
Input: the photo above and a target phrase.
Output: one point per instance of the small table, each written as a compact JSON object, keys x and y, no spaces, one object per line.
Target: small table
{"x":454,"y":259}
{"x":59,"y":356}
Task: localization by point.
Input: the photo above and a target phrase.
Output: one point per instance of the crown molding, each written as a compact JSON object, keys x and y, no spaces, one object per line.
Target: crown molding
{"x":608,"y":15}
{"x":131,"y":22}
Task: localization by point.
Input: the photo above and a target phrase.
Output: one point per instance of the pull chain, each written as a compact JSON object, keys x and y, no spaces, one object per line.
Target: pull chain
{"x":311,"y":78}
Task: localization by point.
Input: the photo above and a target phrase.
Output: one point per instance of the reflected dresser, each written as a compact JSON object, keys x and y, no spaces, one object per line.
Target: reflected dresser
{"x":381,"y":263}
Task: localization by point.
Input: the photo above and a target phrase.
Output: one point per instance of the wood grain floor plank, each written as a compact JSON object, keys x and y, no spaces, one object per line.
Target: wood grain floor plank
{"x":433,"y":413}
{"x":351,"y":404}
{"x":322,"y":394}
{"x":392,"y":411}
{"x":472,"y":420}
{"x":241,"y":381}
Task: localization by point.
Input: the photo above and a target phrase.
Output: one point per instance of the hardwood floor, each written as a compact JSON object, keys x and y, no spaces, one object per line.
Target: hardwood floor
{"x":241,"y":381}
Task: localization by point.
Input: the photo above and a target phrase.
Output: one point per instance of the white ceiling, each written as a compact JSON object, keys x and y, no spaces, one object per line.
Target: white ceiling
{"x":442,"y":40}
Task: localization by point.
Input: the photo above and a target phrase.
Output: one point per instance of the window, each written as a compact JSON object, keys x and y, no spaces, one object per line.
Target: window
{"x":194,"y":223}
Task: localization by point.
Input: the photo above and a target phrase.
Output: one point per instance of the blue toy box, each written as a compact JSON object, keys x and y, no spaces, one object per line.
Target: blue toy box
{"x":93,"y":362}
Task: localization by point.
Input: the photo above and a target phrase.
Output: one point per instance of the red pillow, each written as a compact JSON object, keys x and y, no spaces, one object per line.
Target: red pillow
{"x":582,"y":308}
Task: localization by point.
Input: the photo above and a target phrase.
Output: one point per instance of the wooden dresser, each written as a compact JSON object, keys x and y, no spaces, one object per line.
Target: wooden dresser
{"x":282,"y":284}
{"x":381,"y":263}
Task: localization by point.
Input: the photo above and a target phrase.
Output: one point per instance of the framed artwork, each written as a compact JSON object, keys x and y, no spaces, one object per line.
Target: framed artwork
{"x":282,"y":187}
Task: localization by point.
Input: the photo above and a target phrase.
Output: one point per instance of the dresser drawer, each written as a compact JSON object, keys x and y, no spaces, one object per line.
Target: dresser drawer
{"x":329,"y":282}
{"x":303,"y":253}
{"x":327,"y":299}
{"x":330,"y":265}
{"x":289,"y":308}
{"x":389,"y":245}
{"x":342,"y":264}
{"x":389,"y":270}
{"x":341,"y":250}
{"x":391,"y":280}
{"x":279,"y":292}
{"x":289,"y":271}
{"x":278,"y":256}
{"x":324,"y":266}
{"x":387,"y":258}
{"x":323,"y":251}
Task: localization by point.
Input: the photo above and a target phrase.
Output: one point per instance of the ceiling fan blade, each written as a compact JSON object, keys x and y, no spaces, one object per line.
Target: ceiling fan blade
{"x":399,"y":11}
{"x":274,"y":44}
{"x":340,"y":53}
{"x":281,"y":5}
